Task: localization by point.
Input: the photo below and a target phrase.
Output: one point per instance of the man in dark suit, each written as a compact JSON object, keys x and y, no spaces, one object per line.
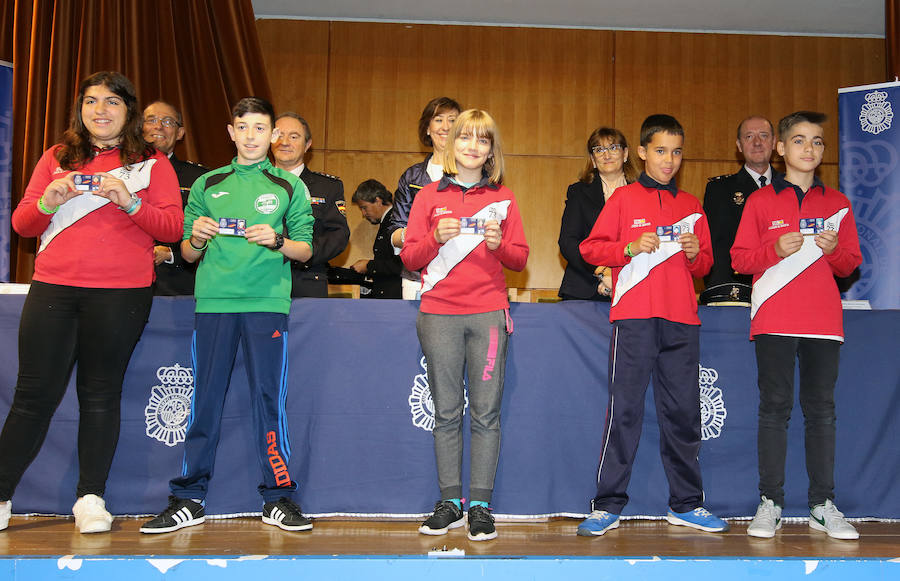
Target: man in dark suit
{"x":330,"y":230}
{"x":375,"y":203}
{"x":163,"y":128}
{"x":724,"y":203}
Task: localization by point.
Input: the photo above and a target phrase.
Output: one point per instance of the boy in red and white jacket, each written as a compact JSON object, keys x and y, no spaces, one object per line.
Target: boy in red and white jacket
{"x":656,"y":239}
{"x":795,"y":236}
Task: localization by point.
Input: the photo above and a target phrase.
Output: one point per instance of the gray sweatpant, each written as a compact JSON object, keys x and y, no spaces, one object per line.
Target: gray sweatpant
{"x":453,"y":344}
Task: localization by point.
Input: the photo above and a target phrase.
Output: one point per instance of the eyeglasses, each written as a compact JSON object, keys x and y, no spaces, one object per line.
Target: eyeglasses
{"x":612,"y":148}
{"x":164,"y":121}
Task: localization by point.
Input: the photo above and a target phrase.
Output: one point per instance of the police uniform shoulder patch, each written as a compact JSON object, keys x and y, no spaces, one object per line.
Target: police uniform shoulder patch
{"x":342,"y":207}
{"x":721,"y":177}
{"x":325,"y":175}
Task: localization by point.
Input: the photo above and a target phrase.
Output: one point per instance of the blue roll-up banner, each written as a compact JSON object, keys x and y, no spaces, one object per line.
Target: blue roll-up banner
{"x":6,"y":131}
{"x":870,"y":177}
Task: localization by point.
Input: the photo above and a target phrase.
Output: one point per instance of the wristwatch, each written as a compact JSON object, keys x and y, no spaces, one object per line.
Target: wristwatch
{"x":279,"y":241}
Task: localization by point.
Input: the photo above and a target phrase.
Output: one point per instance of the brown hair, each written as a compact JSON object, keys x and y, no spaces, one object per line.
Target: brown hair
{"x":659,"y":123}
{"x":788,"y":122}
{"x":76,"y":147}
{"x":434,"y":107}
{"x":612,"y":135}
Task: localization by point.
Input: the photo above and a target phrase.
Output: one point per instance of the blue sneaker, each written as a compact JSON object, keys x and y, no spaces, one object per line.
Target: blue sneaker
{"x":699,"y":518}
{"x":598,"y":523}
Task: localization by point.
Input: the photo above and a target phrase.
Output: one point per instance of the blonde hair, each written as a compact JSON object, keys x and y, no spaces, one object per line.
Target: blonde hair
{"x":480,"y":124}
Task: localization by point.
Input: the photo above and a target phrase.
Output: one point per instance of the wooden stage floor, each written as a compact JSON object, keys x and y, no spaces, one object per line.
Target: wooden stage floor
{"x":45,"y":536}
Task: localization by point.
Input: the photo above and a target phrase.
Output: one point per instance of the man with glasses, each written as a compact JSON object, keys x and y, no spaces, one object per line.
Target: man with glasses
{"x":724,"y":203}
{"x":164,"y":128}
{"x":330,"y":230}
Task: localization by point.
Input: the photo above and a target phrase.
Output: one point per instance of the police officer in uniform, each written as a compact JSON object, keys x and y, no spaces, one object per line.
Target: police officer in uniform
{"x":330,"y":230}
{"x":163,"y":128}
{"x":724,"y":203}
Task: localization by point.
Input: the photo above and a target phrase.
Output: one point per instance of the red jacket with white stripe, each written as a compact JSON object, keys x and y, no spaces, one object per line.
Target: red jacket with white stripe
{"x":461,"y":276}
{"x":659,"y":284}
{"x":796,"y":295}
{"x":90,"y":242}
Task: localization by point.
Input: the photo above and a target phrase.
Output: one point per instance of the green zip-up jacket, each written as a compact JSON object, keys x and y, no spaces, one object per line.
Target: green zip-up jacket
{"x":236,"y":276}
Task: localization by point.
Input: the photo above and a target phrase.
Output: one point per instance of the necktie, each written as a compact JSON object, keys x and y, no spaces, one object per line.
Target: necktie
{"x":762,"y":181}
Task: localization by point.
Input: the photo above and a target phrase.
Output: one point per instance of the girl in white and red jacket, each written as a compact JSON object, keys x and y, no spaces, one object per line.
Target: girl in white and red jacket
{"x":463,"y":230}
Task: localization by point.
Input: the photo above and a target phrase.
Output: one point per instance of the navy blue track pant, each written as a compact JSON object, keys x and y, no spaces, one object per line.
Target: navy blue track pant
{"x":671,"y":353}
{"x":263,"y":337}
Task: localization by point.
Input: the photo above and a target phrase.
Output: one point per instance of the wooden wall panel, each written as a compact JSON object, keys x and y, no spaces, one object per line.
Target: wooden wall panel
{"x":712,"y":81}
{"x":296,"y":57}
{"x":546,"y":88}
{"x":540,"y":185}
{"x":362,"y":86}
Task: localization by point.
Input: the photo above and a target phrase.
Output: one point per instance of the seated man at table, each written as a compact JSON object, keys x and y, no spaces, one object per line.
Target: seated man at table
{"x":375,"y":205}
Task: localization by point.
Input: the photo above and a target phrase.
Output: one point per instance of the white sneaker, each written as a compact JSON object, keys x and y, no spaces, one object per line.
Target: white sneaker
{"x":766,"y":521}
{"x":91,"y":515}
{"x":5,"y":513}
{"x":826,"y":517}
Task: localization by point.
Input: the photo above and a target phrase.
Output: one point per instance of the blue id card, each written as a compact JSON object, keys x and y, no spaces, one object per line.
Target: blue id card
{"x":233,"y":226}
{"x":471,"y":226}
{"x":811,"y":226}
{"x":87,"y":182}
{"x":668,"y":233}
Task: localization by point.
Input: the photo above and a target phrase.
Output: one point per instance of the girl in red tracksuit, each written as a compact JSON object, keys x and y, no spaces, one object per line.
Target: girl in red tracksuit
{"x":463,"y":230}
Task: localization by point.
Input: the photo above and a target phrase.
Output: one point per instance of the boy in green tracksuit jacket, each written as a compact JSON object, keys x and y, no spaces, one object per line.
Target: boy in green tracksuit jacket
{"x":246,"y":221}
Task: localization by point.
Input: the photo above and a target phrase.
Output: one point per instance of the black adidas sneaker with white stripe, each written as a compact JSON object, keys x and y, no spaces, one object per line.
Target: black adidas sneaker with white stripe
{"x":285,"y":514}
{"x":181,"y":512}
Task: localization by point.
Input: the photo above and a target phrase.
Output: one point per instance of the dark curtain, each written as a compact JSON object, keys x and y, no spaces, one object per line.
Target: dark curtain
{"x":199,"y":55}
{"x":892,"y":38}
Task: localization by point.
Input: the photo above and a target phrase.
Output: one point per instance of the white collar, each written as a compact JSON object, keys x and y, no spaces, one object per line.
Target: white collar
{"x":434,"y":170}
{"x":298,"y":170}
{"x":756,"y":176}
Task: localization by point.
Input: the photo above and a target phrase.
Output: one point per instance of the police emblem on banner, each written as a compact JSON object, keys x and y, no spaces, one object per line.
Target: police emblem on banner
{"x":712,"y":406}
{"x":169,"y":409}
{"x":421,"y":405}
{"x":876,"y":113}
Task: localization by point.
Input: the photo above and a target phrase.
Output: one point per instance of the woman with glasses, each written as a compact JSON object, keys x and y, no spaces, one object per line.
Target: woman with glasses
{"x":608,"y":167}
{"x":96,"y":201}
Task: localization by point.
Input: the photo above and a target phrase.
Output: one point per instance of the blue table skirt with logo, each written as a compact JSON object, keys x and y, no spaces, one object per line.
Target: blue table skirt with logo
{"x":359,"y":414}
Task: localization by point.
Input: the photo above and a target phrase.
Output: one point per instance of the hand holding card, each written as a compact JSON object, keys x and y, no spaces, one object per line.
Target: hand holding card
{"x":493,"y":235}
{"x":690,"y":245}
{"x":446,"y":229}
{"x":57,"y":193}
{"x":827,"y":240}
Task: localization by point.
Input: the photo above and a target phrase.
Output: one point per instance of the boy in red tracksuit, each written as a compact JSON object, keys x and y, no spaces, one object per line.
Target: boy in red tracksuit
{"x":795,"y":236}
{"x":656,"y":239}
